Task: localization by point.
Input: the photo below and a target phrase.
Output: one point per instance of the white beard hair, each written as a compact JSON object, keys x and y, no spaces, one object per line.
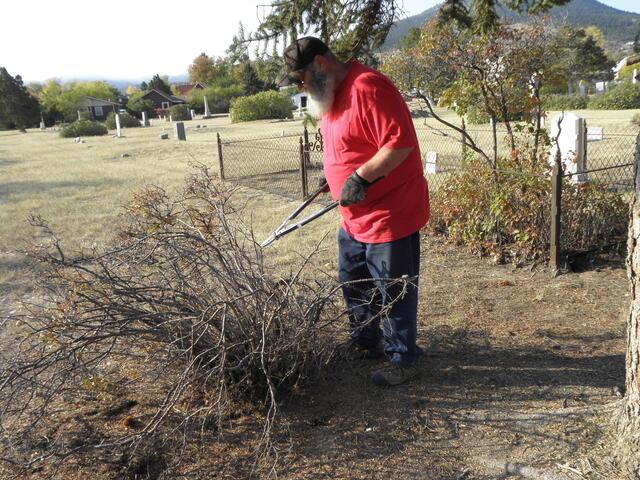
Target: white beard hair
{"x":317,"y":107}
{"x":319,"y":102}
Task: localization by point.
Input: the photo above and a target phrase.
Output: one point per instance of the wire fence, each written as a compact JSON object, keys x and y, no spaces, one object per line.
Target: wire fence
{"x":290,"y":165}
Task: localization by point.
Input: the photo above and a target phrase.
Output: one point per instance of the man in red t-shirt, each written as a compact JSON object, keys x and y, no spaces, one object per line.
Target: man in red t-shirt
{"x":372,"y":166}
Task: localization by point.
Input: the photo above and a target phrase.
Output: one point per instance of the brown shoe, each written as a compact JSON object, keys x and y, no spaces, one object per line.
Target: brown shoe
{"x":394,"y":374}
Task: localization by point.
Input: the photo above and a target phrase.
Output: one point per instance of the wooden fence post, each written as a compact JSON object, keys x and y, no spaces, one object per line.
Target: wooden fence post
{"x":220,"y":161}
{"x":303,"y":171}
{"x":556,"y":209}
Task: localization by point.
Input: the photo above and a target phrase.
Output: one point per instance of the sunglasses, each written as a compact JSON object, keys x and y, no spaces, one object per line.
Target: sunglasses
{"x":297,"y":79}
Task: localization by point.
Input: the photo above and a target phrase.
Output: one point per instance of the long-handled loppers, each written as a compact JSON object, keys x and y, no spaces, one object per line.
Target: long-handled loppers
{"x":286,"y":228}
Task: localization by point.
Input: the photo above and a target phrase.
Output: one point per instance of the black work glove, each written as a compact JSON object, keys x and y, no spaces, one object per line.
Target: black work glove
{"x":354,"y":190}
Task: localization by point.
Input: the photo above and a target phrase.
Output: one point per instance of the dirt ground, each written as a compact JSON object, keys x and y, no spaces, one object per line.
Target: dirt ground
{"x":516,"y":362}
{"x":510,"y":352}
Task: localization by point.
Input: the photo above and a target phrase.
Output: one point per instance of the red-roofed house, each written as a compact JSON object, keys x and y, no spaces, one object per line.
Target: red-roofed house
{"x":185,"y":89}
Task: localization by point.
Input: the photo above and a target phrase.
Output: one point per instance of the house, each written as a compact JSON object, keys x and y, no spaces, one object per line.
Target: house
{"x":299,"y":100}
{"x":184,"y":90}
{"x":161,"y":99}
{"x":96,"y":108}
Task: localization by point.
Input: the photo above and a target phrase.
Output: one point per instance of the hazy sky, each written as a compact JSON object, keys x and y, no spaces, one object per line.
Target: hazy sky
{"x":133,"y":39}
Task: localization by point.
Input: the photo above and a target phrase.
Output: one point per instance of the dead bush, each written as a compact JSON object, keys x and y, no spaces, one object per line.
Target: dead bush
{"x":179,"y":314}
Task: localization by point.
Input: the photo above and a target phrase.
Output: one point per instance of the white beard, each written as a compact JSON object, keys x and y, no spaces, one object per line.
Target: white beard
{"x":320,"y":96}
{"x":318,"y":106}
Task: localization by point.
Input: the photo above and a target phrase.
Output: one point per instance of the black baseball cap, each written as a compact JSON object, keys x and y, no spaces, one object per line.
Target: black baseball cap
{"x":299,"y":56}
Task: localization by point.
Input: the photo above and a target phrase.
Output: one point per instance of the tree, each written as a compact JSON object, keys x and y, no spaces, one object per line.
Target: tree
{"x":138,"y":104}
{"x":411,"y":39}
{"x":352,"y":28}
{"x":131,"y":89}
{"x":636,"y":43}
{"x":579,"y":57}
{"x":627,"y":421}
{"x":499,"y":75}
{"x":597,"y":35}
{"x":202,"y":69}
{"x":245,"y":75}
{"x":59,"y":101}
{"x":356,"y":28}
{"x":482,"y":15}
{"x":18,"y":108}
{"x":160,"y":84}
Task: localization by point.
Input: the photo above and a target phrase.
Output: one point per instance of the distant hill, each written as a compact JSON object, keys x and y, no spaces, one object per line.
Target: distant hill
{"x":618,"y":26}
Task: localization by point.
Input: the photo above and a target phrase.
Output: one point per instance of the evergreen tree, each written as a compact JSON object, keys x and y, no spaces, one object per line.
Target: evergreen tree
{"x":144,"y":86}
{"x":411,"y":39}
{"x":18,"y":108}
{"x":636,"y":43}
{"x":356,"y":28}
{"x":159,"y":84}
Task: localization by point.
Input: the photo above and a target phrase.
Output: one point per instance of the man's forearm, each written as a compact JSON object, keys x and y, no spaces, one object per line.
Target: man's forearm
{"x":382,"y":163}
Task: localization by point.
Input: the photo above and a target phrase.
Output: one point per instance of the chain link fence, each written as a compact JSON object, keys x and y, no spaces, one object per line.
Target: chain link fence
{"x":290,"y":165}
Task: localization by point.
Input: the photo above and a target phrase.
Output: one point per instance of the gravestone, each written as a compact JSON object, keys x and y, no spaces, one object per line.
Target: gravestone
{"x":118,"y":133}
{"x":595,"y":133}
{"x":431,"y":162}
{"x":178,"y":131}
{"x":164,"y":136}
{"x":583,"y":90}
{"x":170,"y":119}
{"x":207,"y":114}
{"x":193,"y":114}
{"x":634,"y":77}
{"x":145,"y":121}
{"x":601,"y":87}
{"x":569,"y":129}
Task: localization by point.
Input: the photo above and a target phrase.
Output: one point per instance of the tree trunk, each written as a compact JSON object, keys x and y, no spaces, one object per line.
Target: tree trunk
{"x":628,"y":420}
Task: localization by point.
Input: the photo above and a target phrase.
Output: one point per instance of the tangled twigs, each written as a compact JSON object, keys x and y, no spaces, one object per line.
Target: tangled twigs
{"x":180,"y":314}
{"x":180,"y":306}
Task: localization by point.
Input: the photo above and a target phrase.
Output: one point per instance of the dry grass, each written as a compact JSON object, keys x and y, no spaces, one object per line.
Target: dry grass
{"x":80,"y":188}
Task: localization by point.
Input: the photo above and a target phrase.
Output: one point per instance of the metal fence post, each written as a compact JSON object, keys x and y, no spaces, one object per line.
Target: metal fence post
{"x":220,"y":161}
{"x":464,"y":138}
{"x":303,"y":171}
{"x":556,"y":209}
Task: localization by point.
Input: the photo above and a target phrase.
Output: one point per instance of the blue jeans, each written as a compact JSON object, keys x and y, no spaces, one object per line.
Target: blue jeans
{"x":369,"y":267}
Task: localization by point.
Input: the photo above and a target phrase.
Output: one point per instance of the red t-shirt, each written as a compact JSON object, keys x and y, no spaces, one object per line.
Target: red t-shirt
{"x":369,"y":113}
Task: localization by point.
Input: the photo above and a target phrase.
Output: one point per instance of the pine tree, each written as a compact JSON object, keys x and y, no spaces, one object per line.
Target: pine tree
{"x":18,"y":108}
{"x":157,"y":83}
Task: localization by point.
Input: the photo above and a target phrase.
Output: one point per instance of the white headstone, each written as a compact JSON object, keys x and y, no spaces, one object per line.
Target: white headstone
{"x":118,"y":133}
{"x":207,"y":114}
{"x":601,"y":87}
{"x":569,"y":129}
{"x":193,"y":113}
{"x":145,"y":121}
{"x":583,"y":90}
{"x":170,"y":119}
{"x":431,"y":161}
{"x":634,"y":77}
